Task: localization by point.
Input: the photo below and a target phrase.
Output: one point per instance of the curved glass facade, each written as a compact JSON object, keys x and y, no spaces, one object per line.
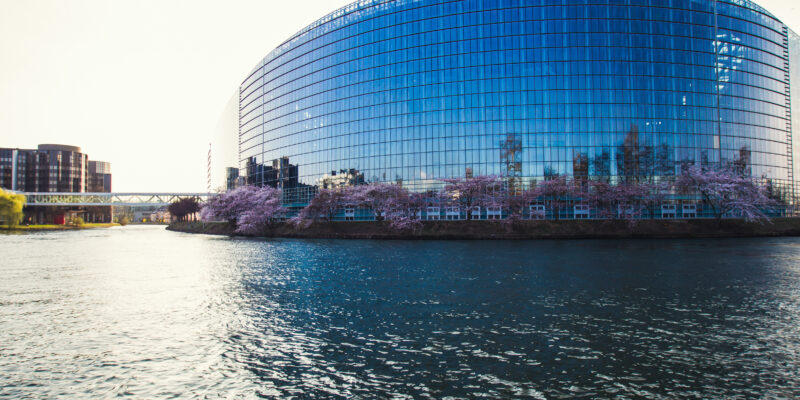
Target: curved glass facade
{"x":624,"y":90}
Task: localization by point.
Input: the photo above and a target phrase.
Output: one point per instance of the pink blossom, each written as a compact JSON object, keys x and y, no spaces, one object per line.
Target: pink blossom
{"x":249,"y":207}
{"x":727,"y":192}
{"x":322,"y":206}
{"x":555,"y":191}
{"x":480,"y":191}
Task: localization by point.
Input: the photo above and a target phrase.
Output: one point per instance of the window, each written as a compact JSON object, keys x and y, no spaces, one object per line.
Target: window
{"x":624,"y":210}
{"x":581,"y":211}
{"x":668,"y":210}
{"x":537,"y":211}
{"x":453,"y":213}
{"x":475,"y":213}
{"x":494,"y":212}
{"x":689,"y":209}
{"x":349,"y":214}
{"x":432,"y":214}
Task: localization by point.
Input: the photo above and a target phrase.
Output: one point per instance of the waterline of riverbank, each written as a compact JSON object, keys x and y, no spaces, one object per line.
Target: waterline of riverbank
{"x":587,"y":229}
{"x":36,"y":228}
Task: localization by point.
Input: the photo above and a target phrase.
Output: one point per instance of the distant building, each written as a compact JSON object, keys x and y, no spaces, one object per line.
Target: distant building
{"x":231,"y":178}
{"x":99,"y":177}
{"x":56,"y":168}
{"x":344,"y":178}
{"x":53,"y":168}
{"x":49,"y":168}
{"x":281,"y":174}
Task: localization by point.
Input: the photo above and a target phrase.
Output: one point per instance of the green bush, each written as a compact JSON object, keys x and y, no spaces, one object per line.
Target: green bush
{"x":11,"y":208}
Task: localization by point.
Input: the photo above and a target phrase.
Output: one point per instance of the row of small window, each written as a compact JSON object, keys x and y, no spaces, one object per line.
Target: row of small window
{"x":346,"y":158}
{"x":470,"y":80}
{"x":413,"y":176}
{"x":396,"y":115}
{"x":624,"y":108}
{"x":423,"y":21}
{"x":522,"y":144}
{"x":540,"y":105}
{"x":334,"y":160}
{"x":377,"y":13}
{"x":401,"y":144}
{"x":688,"y":209}
{"x":349,"y":159}
{"x":552,"y":60}
{"x":551,"y":132}
{"x":522,"y":49}
{"x":405,"y":154}
{"x":749,"y":11}
{"x":515,"y":49}
{"x":600,"y":168}
{"x":530,"y":104}
{"x":741,"y":38}
{"x":558,"y":121}
{"x":559,"y":128}
{"x":479,"y":80}
{"x":343,"y":146}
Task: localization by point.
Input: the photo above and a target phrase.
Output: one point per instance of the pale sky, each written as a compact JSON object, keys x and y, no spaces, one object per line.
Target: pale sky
{"x":143,"y":83}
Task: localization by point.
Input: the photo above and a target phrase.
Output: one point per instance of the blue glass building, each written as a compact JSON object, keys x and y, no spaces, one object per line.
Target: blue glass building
{"x":622,"y":90}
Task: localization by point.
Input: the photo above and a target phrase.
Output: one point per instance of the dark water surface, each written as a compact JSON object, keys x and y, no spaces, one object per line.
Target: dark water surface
{"x":147,"y":313}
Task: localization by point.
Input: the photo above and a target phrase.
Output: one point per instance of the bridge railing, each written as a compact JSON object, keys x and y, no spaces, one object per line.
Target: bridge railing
{"x":44,"y":199}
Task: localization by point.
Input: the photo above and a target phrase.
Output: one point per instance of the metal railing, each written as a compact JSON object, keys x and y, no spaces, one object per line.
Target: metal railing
{"x":55,"y":199}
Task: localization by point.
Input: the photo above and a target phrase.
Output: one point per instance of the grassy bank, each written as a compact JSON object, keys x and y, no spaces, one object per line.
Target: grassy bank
{"x":58,"y":227}
{"x":700,"y":228}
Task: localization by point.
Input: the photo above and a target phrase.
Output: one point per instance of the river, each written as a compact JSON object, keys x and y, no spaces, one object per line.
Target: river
{"x":142,"y":312}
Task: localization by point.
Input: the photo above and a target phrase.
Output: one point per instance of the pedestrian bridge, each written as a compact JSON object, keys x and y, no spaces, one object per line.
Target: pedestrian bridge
{"x":56,"y":199}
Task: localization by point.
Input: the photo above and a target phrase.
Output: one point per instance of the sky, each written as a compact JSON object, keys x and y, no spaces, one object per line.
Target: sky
{"x":143,"y":84}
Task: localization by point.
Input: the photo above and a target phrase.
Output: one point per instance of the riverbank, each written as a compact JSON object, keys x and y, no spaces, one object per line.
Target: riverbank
{"x":36,"y":228}
{"x":591,"y":229}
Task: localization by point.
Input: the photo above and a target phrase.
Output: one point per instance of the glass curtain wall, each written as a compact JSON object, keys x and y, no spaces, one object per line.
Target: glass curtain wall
{"x":618,"y":90}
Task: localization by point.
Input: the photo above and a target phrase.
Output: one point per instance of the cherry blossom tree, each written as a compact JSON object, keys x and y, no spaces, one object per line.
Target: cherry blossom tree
{"x":228,"y":206}
{"x":265,"y":208}
{"x":626,"y":201}
{"x":516,"y":204}
{"x":390,"y":202}
{"x":726,"y":192}
{"x":650,"y":195}
{"x":603,"y":197}
{"x":417,"y":201}
{"x":249,"y":207}
{"x":555,"y":191}
{"x":386,"y":200}
{"x":404,"y":211}
{"x":480,"y":191}
{"x":723,"y":189}
{"x":322,"y":206}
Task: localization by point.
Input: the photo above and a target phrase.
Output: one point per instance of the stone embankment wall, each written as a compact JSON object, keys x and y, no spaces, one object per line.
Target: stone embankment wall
{"x":591,"y":229}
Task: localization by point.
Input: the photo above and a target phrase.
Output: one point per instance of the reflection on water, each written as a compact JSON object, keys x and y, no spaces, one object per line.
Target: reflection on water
{"x":148,"y":313}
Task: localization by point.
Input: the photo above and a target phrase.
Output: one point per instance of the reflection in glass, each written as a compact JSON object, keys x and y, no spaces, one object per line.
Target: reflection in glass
{"x":416,"y":91}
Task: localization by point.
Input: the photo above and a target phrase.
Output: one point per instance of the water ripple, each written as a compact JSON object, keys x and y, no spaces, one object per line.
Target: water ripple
{"x":145,"y":313}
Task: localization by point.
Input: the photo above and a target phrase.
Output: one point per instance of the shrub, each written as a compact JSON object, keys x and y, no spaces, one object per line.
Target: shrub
{"x":11,"y":208}
{"x":184,"y":207}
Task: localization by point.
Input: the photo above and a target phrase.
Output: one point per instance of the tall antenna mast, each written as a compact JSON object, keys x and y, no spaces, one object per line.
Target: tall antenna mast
{"x":208,"y":171}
